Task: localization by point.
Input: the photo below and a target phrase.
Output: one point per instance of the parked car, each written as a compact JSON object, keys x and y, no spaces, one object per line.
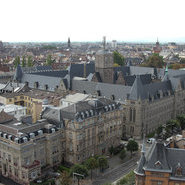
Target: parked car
{"x":151,"y":140}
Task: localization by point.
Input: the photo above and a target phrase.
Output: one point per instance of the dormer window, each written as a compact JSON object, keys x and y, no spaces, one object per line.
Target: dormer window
{"x":158,"y":165}
{"x":178,"y":170}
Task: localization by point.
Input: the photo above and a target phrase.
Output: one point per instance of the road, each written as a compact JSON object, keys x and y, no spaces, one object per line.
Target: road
{"x":116,"y":173}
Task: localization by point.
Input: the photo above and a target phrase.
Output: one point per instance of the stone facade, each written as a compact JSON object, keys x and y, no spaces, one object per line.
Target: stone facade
{"x":23,"y":154}
{"x":92,"y":136}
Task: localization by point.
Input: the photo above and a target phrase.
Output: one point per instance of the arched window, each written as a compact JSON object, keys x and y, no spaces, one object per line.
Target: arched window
{"x":130,"y":114}
{"x":134,"y":115}
{"x":178,"y":171}
{"x":46,"y":87}
{"x":112,"y":97}
{"x":36,"y":85}
{"x":98,"y":93}
{"x":27,"y":83}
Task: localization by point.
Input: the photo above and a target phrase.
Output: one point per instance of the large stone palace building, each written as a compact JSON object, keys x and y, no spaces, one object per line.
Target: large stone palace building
{"x":71,"y":134}
{"x":149,"y":96}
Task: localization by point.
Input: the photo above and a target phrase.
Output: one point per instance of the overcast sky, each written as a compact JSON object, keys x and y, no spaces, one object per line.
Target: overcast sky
{"x":90,"y":20}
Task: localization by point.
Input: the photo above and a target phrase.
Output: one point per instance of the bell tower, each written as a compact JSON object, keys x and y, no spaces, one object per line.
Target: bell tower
{"x":104,"y":64}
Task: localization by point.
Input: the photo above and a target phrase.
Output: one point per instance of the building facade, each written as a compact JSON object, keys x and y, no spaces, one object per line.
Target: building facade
{"x":161,"y":165}
{"x":92,"y":127}
{"x":26,"y":148}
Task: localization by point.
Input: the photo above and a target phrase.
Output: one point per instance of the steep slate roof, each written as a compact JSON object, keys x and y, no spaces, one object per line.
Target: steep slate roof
{"x":145,"y":79}
{"x":43,"y":80}
{"x":107,"y":90}
{"x":160,"y":158}
{"x":78,"y":69}
{"x":18,"y":73}
{"x":144,"y":91}
{"x":61,"y":74}
{"x":75,"y":111}
{"x":137,"y":90}
{"x":36,"y":69}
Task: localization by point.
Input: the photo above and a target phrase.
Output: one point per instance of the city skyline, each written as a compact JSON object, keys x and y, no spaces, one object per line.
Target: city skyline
{"x":128,"y":21}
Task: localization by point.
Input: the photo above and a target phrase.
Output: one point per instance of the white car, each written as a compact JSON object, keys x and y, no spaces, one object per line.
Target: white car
{"x":151,"y":140}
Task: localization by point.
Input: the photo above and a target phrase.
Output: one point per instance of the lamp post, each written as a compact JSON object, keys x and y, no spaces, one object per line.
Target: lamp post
{"x":77,"y":174}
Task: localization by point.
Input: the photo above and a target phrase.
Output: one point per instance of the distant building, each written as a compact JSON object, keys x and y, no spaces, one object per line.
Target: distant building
{"x":157,"y":48}
{"x":1,"y":45}
{"x":114,"y":44}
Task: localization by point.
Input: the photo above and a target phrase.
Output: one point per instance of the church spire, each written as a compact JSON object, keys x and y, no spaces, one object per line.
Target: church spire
{"x":69,"y":43}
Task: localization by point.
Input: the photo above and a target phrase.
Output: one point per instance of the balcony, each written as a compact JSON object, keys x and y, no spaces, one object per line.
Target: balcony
{"x":33,"y":165}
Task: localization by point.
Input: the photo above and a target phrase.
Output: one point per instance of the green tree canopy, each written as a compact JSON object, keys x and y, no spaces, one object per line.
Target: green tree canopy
{"x":23,"y":61}
{"x":122,"y":154}
{"x":118,"y":58}
{"x":16,"y":61}
{"x":102,"y":162}
{"x":30,"y":61}
{"x":49,"y":60}
{"x":132,"y":146}
{"x":65,"y":179}
{"x":91,"y":164}
{"x":81,"y":169}
{"x":171,"y":124}
{"x":181,"y":120}
{"x":155,"y":61}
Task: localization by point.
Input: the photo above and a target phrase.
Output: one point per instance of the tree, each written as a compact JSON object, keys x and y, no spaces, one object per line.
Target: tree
{"x":79,"y":169}
{"x":181,"y":120}
{"x":122,"y":154}
{"x":91,"y":164}
{"x":182,"y":60}
{"x":23,"y":61}
{"x":111,"y":150}
{"x":132,"y":146}
{"x":65,"y":178}
{"x":155,"y":61}
{"x":159,"y":130}
{"x":102,"y":162}
{"x":16,"y":61}
{"x":49,"y":60}
{"x":30,"y":61}
{"x":129,"y":179}
{"x":171,"y":124}
{"x":118,"y":58}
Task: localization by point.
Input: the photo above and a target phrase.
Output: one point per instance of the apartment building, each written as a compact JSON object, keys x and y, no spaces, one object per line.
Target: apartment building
{"x":25,"y":148}
{"x":91,"y":127}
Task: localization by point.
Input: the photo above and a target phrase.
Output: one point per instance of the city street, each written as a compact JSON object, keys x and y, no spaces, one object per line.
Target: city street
{"x":116,"y":173}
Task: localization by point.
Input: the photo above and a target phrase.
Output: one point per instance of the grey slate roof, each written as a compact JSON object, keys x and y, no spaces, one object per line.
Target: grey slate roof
{"x":160,"y":158}
{"x":137,"y":90}
{"x":18,"y":73}
{"x":52,"y":82}
{"x":80,"y":110}
{"x":107,"y":90}
{"x":61,"y":74}
{"x":36,"y":69}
